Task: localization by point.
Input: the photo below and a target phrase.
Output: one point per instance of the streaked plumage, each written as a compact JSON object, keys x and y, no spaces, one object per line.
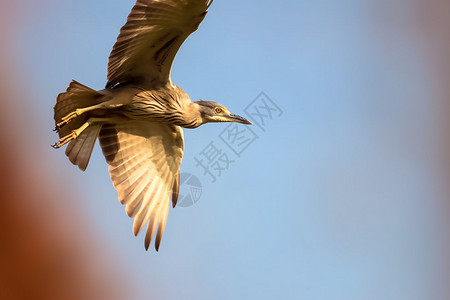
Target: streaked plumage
{"x":147,"y":44}
{"x":139,"y":115}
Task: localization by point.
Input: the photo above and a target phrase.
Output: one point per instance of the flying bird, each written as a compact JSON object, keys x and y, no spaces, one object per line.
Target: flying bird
{"x":138,"y":117}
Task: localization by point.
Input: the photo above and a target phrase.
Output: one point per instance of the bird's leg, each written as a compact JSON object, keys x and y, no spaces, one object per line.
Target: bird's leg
{"x":75,"y":133}
{"x":79,"y":111}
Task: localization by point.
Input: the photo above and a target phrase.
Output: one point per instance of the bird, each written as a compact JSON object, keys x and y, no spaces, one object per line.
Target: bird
{"x":138,"y":117}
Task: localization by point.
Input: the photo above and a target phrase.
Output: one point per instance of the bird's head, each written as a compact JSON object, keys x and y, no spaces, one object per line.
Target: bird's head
{"x":215,"y":112}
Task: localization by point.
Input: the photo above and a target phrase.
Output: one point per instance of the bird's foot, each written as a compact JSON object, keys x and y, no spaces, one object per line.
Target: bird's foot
{"x":65,"y":120}
{"x":64,"y":140}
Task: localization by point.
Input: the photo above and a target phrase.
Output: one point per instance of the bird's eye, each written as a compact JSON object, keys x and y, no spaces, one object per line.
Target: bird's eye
{"x":219,"y":110}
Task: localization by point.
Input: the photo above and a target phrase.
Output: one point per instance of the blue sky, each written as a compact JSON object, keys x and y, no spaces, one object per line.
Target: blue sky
{"x":337,"y":199}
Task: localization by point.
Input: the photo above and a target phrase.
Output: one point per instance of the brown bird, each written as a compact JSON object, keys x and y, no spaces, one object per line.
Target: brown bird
{"x":139,"y":115}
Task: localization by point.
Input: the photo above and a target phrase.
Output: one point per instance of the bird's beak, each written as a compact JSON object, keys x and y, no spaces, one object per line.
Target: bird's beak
{"x":238,"y":119}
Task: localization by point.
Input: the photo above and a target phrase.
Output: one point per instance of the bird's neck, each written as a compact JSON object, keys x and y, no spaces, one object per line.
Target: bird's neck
{"x":191,"y":117}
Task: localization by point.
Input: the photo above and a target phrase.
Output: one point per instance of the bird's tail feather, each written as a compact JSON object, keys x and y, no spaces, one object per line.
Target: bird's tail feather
{"x":77,"y":96}
{"x":79,"y":150}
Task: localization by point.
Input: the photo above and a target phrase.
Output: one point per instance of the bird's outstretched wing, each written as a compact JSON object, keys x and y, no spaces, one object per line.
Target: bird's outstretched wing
{"x":148,"y":42}
{"x":144,"y":163}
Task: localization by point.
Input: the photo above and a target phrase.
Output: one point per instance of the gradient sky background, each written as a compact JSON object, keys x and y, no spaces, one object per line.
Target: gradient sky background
{"x":340,"y":198}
